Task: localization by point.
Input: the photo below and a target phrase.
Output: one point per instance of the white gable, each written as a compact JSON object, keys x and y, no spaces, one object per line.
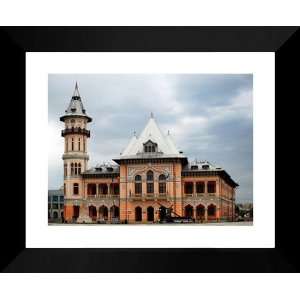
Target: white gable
{"x":153,"y":133}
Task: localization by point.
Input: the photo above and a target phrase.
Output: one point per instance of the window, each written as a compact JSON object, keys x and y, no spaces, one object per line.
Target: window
{"x":72,"y":169}
{"x":61,"y":199}
{"x":188,"y":188}
{"x":162,"y":184}
{"x":79,"y":168}
{"x":150,"y":183}
{"x":64,"y":189}
{"x":65,"y":170}
{"x":138,"y":184}
{"x":200,"y":187}
{"x":211,"y":187}
{"x":72,"y":144}
{"x":150,"y":147}
{"x":79,"y":144}
{"x":75,"y":189}
{"x":211,"y":210}
{"x":91,"y":189}
{"x":55,"y":198}
{"x":83,"y":145}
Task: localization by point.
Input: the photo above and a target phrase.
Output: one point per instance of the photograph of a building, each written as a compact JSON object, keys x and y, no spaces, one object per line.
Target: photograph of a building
{"x":150,"y":181}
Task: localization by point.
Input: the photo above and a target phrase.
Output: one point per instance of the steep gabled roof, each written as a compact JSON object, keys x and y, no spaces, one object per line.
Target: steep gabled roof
{"x":151,"y":132}
{"x":75,"y":108}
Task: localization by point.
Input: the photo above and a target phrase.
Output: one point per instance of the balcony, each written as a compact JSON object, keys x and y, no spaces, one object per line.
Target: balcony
{"x":102,"y":196}
{"x":150,"y":196}
{"x":75,"y":130}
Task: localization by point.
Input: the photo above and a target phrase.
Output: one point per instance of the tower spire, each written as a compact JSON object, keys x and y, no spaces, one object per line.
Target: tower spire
{"x":76,"y":94}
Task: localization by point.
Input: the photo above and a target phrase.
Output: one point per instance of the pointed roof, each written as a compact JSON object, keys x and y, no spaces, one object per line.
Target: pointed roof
{"x":165,"y":144}
{"x":75,"y":108}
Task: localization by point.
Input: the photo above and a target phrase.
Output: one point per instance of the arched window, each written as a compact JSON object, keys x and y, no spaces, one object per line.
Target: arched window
{"x":72,"y":144}
{"x":83,"y":145}
{"x":138,"y":184}
{"x":150,"y":183}
{"x":103,"y":213}
{"x":93,"y":212}
{"x":189,"y":211}
{"x":72,"y":169}
{"x":211,"y":210}
{"x":65,"y":170}
{"x":79,"y":168}
{"x":162,"y":184}
{"x":138,"y":214}
{"x":75,"y":188}
{"x":114,"y":212}
{"x":200,"y":211}
{"x":79,"y":144}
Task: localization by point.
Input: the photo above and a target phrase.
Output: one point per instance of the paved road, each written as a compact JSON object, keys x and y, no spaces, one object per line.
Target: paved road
{"x":172,"y":224}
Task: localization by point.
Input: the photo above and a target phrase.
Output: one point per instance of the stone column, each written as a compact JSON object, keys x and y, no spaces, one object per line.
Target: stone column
{"x":205,"y":214}
{"x":108,"y":189}
{"x":194,"y":188}
{"x":97,"y":190}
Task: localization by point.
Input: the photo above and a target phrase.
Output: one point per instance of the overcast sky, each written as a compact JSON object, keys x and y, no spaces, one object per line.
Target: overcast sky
{"x":209,"y":117}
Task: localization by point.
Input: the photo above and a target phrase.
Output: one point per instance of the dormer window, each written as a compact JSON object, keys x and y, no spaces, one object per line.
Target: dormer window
{"x":195,"y":167}
{"x":150,"y":147}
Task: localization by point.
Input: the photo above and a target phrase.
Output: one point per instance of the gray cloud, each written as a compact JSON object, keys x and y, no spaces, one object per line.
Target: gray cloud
{"x":209,"y":116}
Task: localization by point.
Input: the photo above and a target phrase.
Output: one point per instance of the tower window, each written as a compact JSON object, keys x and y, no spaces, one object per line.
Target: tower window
{"x":79,"y":144}
{"x":65,"y":170}
{"x":75,"y":189}
{"x":72,"y":147}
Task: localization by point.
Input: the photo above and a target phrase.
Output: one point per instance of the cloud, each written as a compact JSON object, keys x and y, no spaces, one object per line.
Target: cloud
{"x":209,"y":117}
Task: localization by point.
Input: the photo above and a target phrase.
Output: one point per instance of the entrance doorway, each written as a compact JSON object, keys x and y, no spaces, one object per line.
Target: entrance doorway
{"x":150,"y":214}
{"x":162,"y":213}
{"x":138,"y":214}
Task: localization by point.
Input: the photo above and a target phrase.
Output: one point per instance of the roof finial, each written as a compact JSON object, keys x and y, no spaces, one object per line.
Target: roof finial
{"x":151,"y":115}
{"x":76,"y":91}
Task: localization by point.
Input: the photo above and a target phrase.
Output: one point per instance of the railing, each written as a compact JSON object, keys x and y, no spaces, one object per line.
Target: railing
{"x":199,"y":195}
{"x":149,"y":196}
{"x":75,"y":130}
{"x":101,"y":196}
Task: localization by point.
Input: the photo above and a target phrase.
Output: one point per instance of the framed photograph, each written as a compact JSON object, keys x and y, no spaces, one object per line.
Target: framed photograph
{"x":148,"y":149}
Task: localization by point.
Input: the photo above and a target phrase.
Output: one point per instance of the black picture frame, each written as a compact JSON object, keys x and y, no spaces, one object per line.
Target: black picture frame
{"x":16,"y":41}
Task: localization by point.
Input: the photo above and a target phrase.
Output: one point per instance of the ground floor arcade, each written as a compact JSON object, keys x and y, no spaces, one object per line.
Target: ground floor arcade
{"x":146,"y":211}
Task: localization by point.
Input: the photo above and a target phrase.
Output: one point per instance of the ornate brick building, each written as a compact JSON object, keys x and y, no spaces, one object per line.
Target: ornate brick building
{"x":148,"y":177}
